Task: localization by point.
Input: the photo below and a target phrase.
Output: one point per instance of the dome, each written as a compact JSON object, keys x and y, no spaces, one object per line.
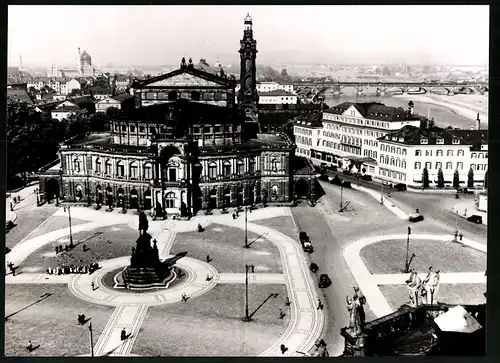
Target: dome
{"x":85,"y":57}
{"x":248,"y":18}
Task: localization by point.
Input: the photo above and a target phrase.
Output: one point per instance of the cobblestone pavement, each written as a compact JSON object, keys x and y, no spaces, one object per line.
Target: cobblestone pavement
{"x":369,"y":283}
{"x":306,"y":321}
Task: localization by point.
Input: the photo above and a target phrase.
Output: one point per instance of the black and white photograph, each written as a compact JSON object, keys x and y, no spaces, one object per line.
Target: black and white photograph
{"x":246,"y":180}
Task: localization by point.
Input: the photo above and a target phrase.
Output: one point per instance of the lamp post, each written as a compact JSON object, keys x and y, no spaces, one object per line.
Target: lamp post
{"x":341,"y":197}
{"x":88,"y":191}
{"x":407,"y":267}
{"x":247,"y":317}
{"x":69,"y":219}
{"x":91,"y":341}
{"x":382,"y":194}
{"x":246,"y":225}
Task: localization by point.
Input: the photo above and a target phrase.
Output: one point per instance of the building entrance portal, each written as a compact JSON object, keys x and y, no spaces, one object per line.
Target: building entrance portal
{"x":52,"y":189}
{"x":212,"y":200}
{"x":134,"y":199}
{"x":148,"y":204}
{"x":301,"y":188}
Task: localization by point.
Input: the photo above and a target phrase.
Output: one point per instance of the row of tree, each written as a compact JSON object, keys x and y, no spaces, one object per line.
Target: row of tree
{"x":456,"y":179}
{"x":33,"y":137}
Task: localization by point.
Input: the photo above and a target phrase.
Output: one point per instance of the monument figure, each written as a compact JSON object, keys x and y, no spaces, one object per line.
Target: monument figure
{"x":143,"y":223}
{"x":354,"y":318}
{"x":414,"y":284}
{"x":431,"y":284}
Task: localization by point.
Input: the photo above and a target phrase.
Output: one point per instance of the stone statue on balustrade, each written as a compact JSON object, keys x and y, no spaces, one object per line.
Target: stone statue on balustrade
{"x":356,"y":312}
{"x":414,"y":284}
{"x":431,"y":286}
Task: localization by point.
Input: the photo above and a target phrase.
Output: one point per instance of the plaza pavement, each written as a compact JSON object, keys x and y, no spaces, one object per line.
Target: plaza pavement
{"x":369,"y":283}
{"x":393,"y":208}
{"x":306,"y":322}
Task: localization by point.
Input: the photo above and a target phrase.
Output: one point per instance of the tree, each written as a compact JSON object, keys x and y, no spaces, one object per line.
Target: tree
{"x":425,"y":178}
{"x":486,"y":180}
{"x":284,"y":73}
{"x":440,"y":181}
{"x":456,"y":179}
{"x":470,"y":179}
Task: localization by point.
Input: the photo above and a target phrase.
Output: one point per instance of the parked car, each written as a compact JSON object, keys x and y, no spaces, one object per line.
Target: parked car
{"x":324,"y":177}
{"x":367,"y":177}
{"x":475,"y":219}
{"x":333,"y":167}
{"x":400,"y":187}
{"x":346,"y":184}
{"x":416,"y":217}
{"x":336,"y":180}
{"x":346,"y":171}
{"x":307,"y":246}
{"x":324,"y":281}
{"x":303,"y":237}
{"x":313,"y":267}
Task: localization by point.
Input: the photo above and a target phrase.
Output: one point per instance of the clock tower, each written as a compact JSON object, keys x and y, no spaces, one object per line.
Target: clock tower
{"x":248,"y":98}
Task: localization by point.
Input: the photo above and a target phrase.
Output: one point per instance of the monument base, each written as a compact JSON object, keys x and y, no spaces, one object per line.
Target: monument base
{"x":144,"y":278}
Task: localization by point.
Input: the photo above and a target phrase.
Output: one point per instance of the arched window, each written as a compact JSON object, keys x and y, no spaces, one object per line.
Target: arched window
{"x":98,"y":166}
{"x":428,"y":152}
{"x":399,"y":151}
{"x":148,"y":172}
{"x":418,"y":153}
{"x":439,"y":153}
{"x":76,"y":165}
{"x":170,"y":200}
{"x":460,"y":153}
{"x":212,"y":170}
{"x":133,"y":170}
{"x":473,"y":155}
{"x":393,"y":149}
{"x":251,"y":165}
{"x":172,"y":95}
{"x":120,"y":169}
{"x":108,"y":167}
{"x":404,"y":151}
{"x":449,"y":153}
{"x":274,"y":164}
{"x":403,"y":164}
{"x":381,"y":158}
{"x":473,"y":166}
{"x":387,"y":160}
{"x":449,"y":165}
{"x":226,"y":168}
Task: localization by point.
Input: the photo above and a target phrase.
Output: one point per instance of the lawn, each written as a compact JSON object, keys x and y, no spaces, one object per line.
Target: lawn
{"x":225,"y":246}
{"x":472,"y":294}
{"x":389,"y":256}
{"x":50,"y":323}
{"x":281,"y":224}
{"x":102,"y":243}
{"x":211,"y":325}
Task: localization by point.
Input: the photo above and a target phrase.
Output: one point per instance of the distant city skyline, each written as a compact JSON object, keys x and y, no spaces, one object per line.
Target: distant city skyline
{"x":162,"y":35}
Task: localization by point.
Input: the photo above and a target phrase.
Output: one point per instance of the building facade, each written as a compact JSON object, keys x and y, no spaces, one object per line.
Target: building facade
{"x":349,"y":133}
{"x":277,"y":97}
{"x":185,"y":147}
{"x":405,"y":154}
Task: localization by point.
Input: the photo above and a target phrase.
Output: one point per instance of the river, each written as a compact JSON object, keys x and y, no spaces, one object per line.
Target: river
{"x":443,"y":116}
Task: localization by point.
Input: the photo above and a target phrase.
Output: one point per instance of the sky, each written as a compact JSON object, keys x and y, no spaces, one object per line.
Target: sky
{"x":162,"y":35}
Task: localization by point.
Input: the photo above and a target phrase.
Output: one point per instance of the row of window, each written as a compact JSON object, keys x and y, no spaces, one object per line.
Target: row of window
{"x":303,"y":140}
{"x":215,"y":129}
{"x":370,"y":153}
{"x":449,"y":165}
{"x":479,"y":155}
{"x":392,"y":174}
{"x":303,"y":131}
{"x":120,"y":169}
{"x":393,"y":149}
{"x":373,"y":143}
{"x":373,"y":123}
{"x":194,"y":96}
{"x":400,"y":163}
{"x":240,"y":168}
{"x":439,"y":152}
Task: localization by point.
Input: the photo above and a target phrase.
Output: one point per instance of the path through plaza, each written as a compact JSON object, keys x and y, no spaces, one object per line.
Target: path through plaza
{"x":306,"y":323}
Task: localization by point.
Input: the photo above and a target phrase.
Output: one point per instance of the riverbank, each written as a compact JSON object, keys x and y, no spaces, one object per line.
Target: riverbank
{"x":467,"y":106}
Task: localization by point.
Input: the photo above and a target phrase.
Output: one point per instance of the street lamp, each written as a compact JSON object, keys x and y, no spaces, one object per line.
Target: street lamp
{"x":70,"y":232}
{"x":246,"y":225}
{"x":382,"y":194}
{"x":407,"y":265}
{"x":247,"y":317}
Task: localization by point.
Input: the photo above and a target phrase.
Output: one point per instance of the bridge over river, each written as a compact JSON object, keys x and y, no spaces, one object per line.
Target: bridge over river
{"x":314,"y":90}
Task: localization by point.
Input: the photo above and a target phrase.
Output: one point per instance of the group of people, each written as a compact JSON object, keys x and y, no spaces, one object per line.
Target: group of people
{"x":423,"y":292}
{"x":66,"y":270}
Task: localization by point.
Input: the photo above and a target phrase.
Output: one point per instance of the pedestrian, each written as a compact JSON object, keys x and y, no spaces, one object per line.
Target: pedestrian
{"x":283,"y":348}
{"x":56,"y":249}
{"x":66,"y":248}
{"x":93,"y":285}
{"x":282,"y":314}
{"x":84,"y":248}
{"x":29,"y":346}
{"x":461,"y":236}
{"x":123,"y":334}
{"x":209,"y":277}
{"x":287,"y":301}
{"x":252,"y":268}
{"x":11,"y":206}
{"x":208,"y":259}
{"x":234,"y":216}
{"x":320,"y":305}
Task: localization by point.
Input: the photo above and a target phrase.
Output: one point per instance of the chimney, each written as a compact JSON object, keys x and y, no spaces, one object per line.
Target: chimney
{"x":478,"y":122}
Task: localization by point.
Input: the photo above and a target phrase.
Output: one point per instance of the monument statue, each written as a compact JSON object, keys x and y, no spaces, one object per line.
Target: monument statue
{"x":354,"y":317}
{"x":143,"y":223}
{"x":361,"y":303}
{"x":431,"y":285}
{"x":414,"y":284}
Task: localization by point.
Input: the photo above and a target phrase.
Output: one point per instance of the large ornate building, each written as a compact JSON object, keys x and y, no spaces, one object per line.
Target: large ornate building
{"x":187,"y":146}
{"x":83,"y":69}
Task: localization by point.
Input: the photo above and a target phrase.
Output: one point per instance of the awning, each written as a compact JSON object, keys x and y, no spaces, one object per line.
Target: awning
{"x":457,"y":319}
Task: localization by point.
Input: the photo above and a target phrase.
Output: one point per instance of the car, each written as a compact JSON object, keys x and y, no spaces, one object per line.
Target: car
{"x":346,"y":184}
{"x":324,"y":177}
{"x":346,"y":171}
{"x":324,"y":281}
{"x":475,"y":219}
{"x":313,"y":267}
{"x":416,"y":217}
{"x":307,"y":246}
{"x":336,"y":180}
{"x":400,"y":187}
{"x":303,"y":237}
{"x":367,"y":177}
{"x":333,"y":167}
